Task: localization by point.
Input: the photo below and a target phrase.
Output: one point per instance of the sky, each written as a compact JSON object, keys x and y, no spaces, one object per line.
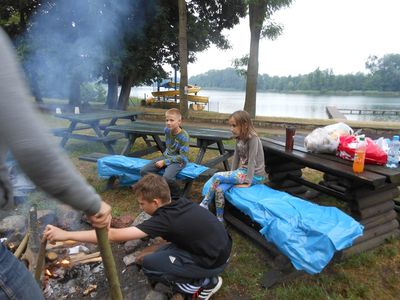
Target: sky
{"x":325,"y":34}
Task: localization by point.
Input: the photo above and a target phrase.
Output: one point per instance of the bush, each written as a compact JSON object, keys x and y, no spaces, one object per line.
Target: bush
{"x":93,"y":92}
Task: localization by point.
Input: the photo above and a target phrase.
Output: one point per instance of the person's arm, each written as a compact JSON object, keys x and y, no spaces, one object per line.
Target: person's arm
{"x":54,"y":234}
{"x":25,"y":134}
{"x":253,"y":148}
{"x":235,"y":159}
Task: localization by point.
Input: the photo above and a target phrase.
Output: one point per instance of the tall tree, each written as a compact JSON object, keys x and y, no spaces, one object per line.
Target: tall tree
{"x":259,"y":11}
{"x":183,"y":58}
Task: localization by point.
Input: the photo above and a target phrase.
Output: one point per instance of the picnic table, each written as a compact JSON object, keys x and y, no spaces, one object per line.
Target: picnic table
{"x":152,"y":132}
{"x":92,"y":120}
{"x":368,"y":197}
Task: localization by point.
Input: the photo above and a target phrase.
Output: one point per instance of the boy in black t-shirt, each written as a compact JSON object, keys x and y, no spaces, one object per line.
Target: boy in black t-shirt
{"x":197,"y":248}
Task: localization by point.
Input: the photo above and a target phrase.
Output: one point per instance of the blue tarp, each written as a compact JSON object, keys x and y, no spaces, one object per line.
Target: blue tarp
{"x":308,"y":234}
{"x":128,"y":169}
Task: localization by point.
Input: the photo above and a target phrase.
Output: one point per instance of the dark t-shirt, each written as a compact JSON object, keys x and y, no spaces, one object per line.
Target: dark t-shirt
{"x":191,"y":228}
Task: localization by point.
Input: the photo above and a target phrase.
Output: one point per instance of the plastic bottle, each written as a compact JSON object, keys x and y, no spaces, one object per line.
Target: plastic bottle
{"x":359,"y":156}
{"x":393,"y":153}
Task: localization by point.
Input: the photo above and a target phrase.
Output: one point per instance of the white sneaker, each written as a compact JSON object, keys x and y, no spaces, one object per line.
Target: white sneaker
{"x":204,"y":205}
{"x":210,"y":289}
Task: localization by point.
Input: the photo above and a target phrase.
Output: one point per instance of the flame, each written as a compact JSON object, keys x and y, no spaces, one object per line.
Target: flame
{"x":48,"y":272}
{"x":65,"y":262}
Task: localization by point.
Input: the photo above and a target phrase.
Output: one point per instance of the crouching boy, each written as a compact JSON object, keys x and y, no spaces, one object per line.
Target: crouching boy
{"x":198,"y":245}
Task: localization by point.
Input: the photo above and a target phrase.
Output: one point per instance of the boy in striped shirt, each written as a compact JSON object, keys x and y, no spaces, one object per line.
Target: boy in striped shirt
{"x":175,"y":156}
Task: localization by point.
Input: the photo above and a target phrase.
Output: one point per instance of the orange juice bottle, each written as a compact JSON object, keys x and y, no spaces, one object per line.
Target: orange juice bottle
{"x":359,"y":156}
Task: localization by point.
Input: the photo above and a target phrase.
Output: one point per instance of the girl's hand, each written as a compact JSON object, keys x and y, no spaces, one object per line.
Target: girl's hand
{"x":243,"y":185}
{"x":54,"y":234}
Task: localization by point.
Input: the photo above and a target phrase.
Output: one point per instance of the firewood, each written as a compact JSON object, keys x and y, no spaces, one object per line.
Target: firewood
{"x":81,"y":256}
{"x":22,"y":246}
{"x":51,"y":256}
{"x":91,"y":288}
{"x":40,"y":261}
{"x":90,"y":260}
{"x":64,"y":244}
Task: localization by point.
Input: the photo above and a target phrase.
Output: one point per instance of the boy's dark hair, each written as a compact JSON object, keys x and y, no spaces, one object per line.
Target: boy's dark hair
{"x":243,"y":120}
{"x":152,"y":186}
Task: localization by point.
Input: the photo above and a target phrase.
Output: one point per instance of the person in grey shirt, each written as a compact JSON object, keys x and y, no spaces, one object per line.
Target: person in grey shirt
{"x":24,"y":134}
{"x":248,"y":166}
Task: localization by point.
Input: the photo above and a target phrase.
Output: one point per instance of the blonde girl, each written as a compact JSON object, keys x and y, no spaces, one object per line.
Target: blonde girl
{"x":248,"y":165}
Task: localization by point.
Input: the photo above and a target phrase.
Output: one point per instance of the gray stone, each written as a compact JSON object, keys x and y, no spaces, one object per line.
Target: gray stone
{"x":141,"y":218}
{"x":13,"y":227}
{"x":133,"y":245}
{"x":155,"y":295}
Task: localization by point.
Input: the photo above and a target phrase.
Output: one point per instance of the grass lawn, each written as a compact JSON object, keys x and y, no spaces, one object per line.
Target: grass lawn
{"x":370,"y":275}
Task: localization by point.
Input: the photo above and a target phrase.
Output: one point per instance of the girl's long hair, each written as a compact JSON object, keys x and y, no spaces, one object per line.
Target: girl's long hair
{"x":243,"y":120}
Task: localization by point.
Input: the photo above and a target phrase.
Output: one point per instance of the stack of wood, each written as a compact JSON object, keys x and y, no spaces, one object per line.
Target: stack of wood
{"x":279,"y":172}
{"x":374,"y":211}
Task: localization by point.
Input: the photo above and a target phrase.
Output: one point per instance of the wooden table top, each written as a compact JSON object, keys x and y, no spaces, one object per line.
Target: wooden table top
{"x":98,"y":115}
{"x":141,"y":127}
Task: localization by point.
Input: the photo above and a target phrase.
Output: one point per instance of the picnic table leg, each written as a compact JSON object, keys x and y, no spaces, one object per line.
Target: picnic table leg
{"x":131,"y":141}
{"x":70,"y":129}
{"x":159,"y":143}
{"x":202,"y":151}
{"x":112,"y":123}
{"x":221,"y":149}
{"x":98,"y":132}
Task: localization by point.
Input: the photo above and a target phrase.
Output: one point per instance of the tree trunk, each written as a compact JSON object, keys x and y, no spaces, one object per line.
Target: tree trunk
{"x":256,"y":16}
{"x":75,"y":91}
{"x":183,"y":58}
{"x":112,"y":94}
{"x":123,"y":100}
{"x":35,"y":87}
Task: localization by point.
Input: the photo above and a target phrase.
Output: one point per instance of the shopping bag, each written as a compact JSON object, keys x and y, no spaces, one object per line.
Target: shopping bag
{"x":373,"y":155}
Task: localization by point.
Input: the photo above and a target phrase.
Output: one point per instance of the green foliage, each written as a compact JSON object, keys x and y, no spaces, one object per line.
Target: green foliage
{"x":93,"y":92}
{"x":384,"y":77}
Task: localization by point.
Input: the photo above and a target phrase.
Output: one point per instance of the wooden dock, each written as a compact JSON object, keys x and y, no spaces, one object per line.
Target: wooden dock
{"x":334,"y":113}
{"x":356,"y":111}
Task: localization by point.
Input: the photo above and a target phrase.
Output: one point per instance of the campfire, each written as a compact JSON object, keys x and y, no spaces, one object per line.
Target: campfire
{"x":62,"y":268}
{"x":74,"y":270}
{"x":70,"y":269}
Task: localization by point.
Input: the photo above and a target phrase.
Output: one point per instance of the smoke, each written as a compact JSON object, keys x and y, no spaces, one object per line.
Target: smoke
{"x":77,"y":40}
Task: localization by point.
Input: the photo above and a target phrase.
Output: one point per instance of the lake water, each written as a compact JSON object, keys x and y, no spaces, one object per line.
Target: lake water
{"x":292,"y":105}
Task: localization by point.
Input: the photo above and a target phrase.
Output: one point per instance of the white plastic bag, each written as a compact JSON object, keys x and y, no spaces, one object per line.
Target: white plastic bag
{"x":326,"y":139}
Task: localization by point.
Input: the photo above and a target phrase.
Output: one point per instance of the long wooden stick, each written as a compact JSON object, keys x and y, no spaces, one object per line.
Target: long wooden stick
{"x":22,"y":246}
{"x":109,"y":263}
{"x":40,"y":261}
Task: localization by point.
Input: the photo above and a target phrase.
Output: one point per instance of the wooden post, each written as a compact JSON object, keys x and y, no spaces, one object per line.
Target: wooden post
{"x":109,"y":263}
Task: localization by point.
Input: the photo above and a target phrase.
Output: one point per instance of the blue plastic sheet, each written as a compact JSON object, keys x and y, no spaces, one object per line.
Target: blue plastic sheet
{"x":128,"y":169}
{"x":308,"y":234}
